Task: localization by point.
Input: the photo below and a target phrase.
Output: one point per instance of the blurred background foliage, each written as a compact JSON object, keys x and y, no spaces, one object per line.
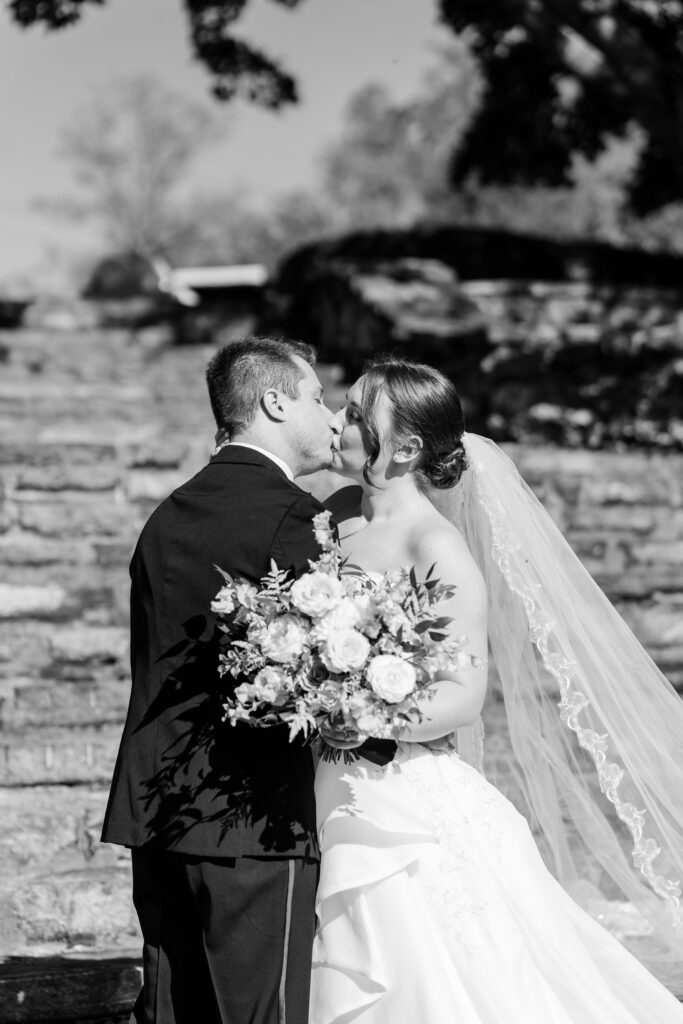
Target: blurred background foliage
{"x":560,"y":119}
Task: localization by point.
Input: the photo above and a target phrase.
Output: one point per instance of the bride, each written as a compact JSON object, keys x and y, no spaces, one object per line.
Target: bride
{"x":435,"y":904}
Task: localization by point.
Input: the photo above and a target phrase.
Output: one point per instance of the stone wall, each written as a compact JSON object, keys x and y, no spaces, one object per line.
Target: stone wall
{"x":94,"y":430}
{"x":581,"y":364}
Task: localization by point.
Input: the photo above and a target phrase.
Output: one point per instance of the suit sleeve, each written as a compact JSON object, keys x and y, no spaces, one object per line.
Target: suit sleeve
{"x":294,"y":542}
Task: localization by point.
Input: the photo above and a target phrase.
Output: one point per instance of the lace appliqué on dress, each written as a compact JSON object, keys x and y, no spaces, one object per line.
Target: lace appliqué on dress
{"x":452,"y":874}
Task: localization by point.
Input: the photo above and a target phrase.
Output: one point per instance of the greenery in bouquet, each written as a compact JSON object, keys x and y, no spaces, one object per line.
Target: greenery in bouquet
{"x":336,"y":648}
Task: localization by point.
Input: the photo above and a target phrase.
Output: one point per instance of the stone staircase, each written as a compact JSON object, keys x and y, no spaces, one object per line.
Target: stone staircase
{"x":58,"y":989}
{"x":95,"y":429}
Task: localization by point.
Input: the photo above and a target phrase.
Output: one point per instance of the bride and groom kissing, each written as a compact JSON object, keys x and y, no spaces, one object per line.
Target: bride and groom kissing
{"x":399,"y":887}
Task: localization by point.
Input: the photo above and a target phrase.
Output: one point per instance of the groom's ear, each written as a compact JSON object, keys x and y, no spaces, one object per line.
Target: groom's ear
{"x":272,"y":405}
{"x":408,"y":450}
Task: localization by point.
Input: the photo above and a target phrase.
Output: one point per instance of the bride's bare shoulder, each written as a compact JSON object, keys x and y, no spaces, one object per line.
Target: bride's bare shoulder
{"x":436,"y":541}
{"x":345,"y":503}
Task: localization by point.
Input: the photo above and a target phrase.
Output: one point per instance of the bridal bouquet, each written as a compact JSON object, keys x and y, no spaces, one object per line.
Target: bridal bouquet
{"x":335,"y":647}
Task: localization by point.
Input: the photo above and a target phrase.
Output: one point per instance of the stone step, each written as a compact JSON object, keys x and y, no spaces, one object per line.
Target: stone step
{"x":58,"y":755}
{"x":38,"y":649}
{"x":48,"y":704}
{"x":638,"y":582}
{"x":90,"y":645}
{"x":29,"y":550}
{"x":54,"y":829}
{"x":26,"y":594}
{"x":34,"y":453}
{"x":102,"y":518}
{"x":97,"y":478}
{"x":59,"y":911}
{"x":90,"y":990}
{"x":58,"y":989}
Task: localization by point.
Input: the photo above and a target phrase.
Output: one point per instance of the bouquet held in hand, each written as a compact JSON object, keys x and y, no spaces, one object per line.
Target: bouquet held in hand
{"x":334,"y":648}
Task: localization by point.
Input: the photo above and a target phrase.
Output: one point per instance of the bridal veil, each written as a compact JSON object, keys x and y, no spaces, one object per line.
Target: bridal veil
{"x":595,"y":729}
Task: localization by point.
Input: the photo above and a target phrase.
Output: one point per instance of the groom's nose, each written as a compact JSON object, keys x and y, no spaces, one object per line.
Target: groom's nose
{"x":337,"y":422}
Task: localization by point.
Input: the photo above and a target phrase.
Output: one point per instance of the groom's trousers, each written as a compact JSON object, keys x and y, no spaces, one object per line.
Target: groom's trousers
{"x":226,"y":940}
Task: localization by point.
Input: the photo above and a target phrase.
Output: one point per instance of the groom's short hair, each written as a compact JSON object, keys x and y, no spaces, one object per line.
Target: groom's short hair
{"x":240,"y":373}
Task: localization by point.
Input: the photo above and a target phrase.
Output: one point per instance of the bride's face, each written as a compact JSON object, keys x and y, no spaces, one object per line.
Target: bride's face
{"x":354,"y":442}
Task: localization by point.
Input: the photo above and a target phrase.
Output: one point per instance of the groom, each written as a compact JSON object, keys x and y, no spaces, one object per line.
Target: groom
{"x":221,"y":819}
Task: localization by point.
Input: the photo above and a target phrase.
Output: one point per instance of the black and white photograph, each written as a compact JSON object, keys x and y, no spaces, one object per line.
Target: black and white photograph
{"x":341,"y":512}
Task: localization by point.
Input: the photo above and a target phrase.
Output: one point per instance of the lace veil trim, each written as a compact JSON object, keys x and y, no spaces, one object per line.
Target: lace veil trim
{"x":555,"y":635}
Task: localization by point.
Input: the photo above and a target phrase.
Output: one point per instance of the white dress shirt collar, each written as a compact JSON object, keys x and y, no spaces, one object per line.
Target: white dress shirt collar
{"x":254,"y":447}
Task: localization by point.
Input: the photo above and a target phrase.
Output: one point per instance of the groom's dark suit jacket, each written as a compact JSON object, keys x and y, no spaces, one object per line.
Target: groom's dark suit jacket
{"x":184,"y":780}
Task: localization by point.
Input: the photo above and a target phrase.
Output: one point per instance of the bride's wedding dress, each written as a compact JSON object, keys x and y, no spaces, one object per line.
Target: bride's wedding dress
{"x":435,"y":907}
{"x":434,"y":904}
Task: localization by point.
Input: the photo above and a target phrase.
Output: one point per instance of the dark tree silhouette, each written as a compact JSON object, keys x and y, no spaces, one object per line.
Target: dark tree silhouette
{"x":562,"y":77}
{"x":54,"y":13}
{"x":237,"y":68}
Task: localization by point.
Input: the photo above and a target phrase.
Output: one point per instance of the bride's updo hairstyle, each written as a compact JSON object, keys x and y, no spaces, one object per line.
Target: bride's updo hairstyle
{"x":424,"y":403}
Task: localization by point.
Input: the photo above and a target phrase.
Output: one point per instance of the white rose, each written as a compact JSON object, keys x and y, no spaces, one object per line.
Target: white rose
{"x":316,"y":593}
{"x":283,"y":639}
{"x":345,"y":651}
{"x":391,"y":678}
{"x":224,"y":601}
{"x":346,"y":615}
{"x":245,"y":594}
{"x":270,"y":684}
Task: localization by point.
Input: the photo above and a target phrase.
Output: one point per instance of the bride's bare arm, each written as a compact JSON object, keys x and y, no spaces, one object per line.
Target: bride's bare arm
{"x":458,"y":694}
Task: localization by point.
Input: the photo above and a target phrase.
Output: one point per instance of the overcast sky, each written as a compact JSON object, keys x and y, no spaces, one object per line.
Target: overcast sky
{"x":332,"y":46}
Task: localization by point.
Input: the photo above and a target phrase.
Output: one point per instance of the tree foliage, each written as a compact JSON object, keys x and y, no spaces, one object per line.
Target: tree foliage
{"x":389,"y":166}
{"x":390,"y":163}
{"x":234,"y":229}
{"x":131,"y":147}
{"x":562,"y":77}
{"x":237,"y":67}
{"x":53,"y":13}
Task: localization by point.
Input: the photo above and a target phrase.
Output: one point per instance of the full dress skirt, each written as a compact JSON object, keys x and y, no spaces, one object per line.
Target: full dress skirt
{"x":435,"y":907}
